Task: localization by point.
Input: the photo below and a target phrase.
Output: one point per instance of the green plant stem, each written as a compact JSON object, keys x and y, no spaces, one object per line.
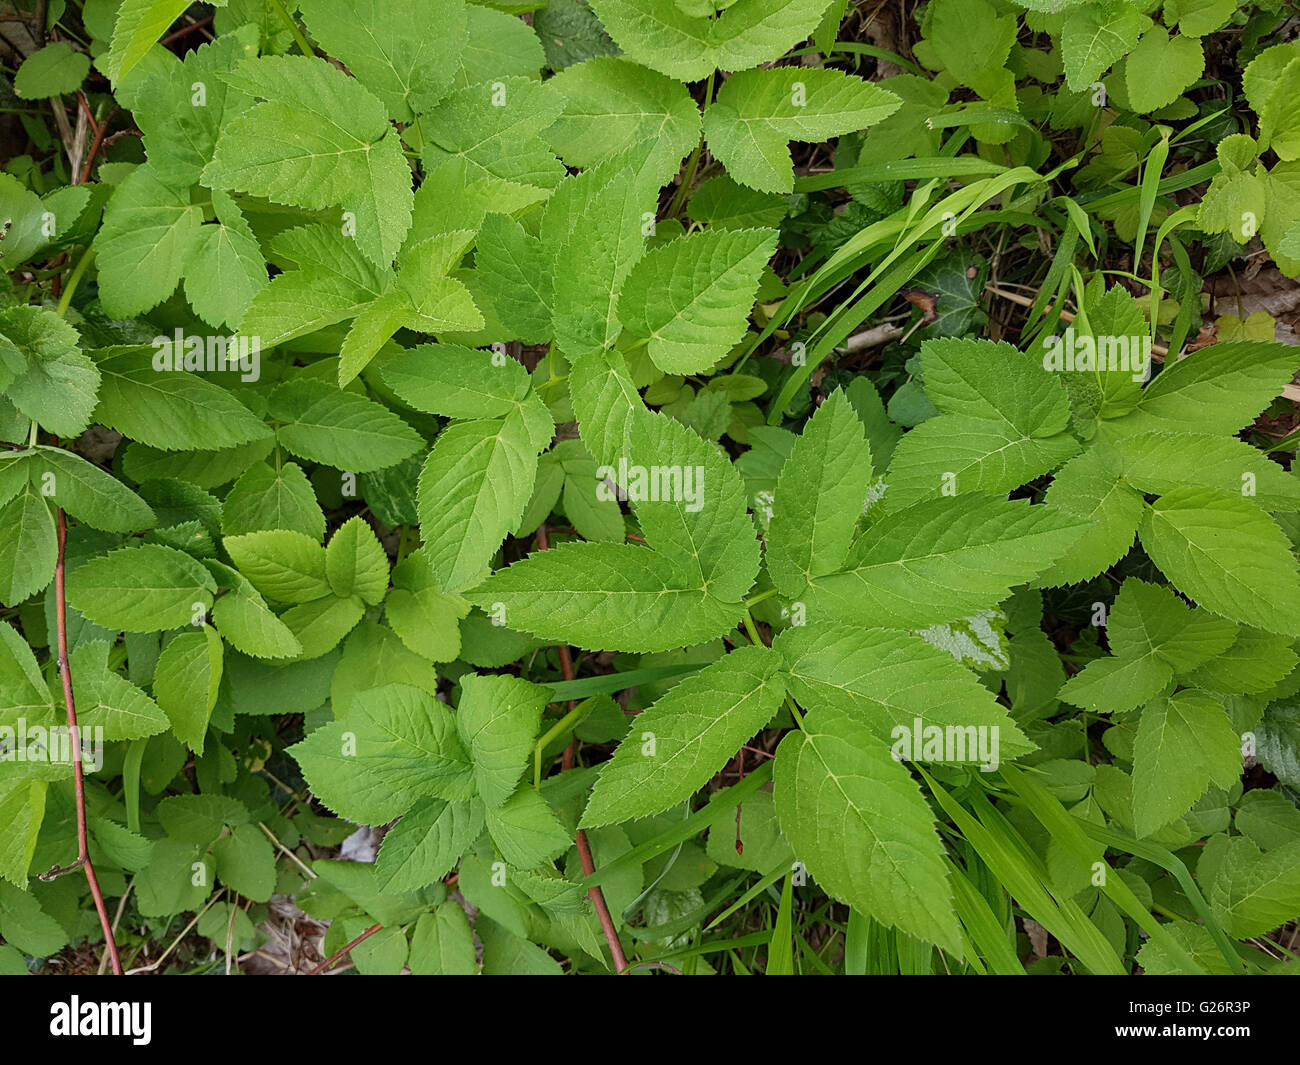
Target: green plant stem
{"x":693,"y":163}
{"x":78,"y":272}
{"x":287,"y":19}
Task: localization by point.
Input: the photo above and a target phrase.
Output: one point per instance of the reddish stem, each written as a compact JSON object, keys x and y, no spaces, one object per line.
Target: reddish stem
{"x":83,"y":842}
{"x":339,"y":953}
{"x":584,"y":848}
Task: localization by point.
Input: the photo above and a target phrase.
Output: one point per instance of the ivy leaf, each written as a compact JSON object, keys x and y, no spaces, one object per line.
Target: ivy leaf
{"x":690,"y":47}
{"x":397,"y":746}
{"x":317,"y":139}
{"x":1227,"y":555}
{"x":145,"y":588}
{"x":858,"y":821}
{"x":758,"y":112}
{"x":680,"y":742}
{"x":691,"y":298}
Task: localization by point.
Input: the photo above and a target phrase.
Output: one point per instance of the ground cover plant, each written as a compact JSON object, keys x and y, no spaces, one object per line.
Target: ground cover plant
{"x":649,"y":486}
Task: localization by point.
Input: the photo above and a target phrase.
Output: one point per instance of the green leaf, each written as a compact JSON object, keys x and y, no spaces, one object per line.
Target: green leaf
{"x":1256,"y":893}
{"x":690,"y":47}
{"x":246,"y":862}
{"x":90,"y":494}
{"x":511,"y":271}
{"x":942,"y":560}
{"x":245,"y":621}
{"x":341,"y":429}
{"x":457,"y":382}
{"x":225,"y":269}
{"x":273,"y":498}
{"x":679,"y":743}
{"x":473,"y":491}
{"x":595,"y":244}
{"x":108,"y":700}
{"x":1153,"y":635}
{"x":355,"y":563}
{"x":1227,"y":555}
{"x":858,"y":821}
{"x":27,"y":546}
{"x":495,"y":128}
{"x":317,"y":139}
{"x":1184,"y":743}
{"x":172,"y":410}
{"x":185,"y":683}
{"x":321,"y":624}
{"x":283,"y":565}
{"x":139,"y":24}
{"x":150,"y":233}
{"x":51,"y":71}
{"x":616,"y":597}
{"x":442,"y":944}
{"x":397,"y":745}
{"x":612,"y":104}
{"x":1089,"y":487}
{"x":890,"y":680}
{"x":426,"y":843}
{"x":425,"y":618}
{"x":405,"y":56}
{"x":1095,"y":36}
{"x":1159,"y":462}
{"x":1160,"y":68}
{"x":526,"y":830}
{"x":58,"y":386}
{"x":144,"y":588}
{"x":570,"y":33}
{"x":497,"y":720}
{"x":819,"y":497}
{"x":691,"y":298}
{"x":758,"y":112}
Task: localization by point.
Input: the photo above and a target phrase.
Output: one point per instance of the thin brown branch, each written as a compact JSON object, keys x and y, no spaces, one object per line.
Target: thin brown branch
{"x":339,"y":953}
{"x":79,"y":782}
{"x":584,"y":848}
